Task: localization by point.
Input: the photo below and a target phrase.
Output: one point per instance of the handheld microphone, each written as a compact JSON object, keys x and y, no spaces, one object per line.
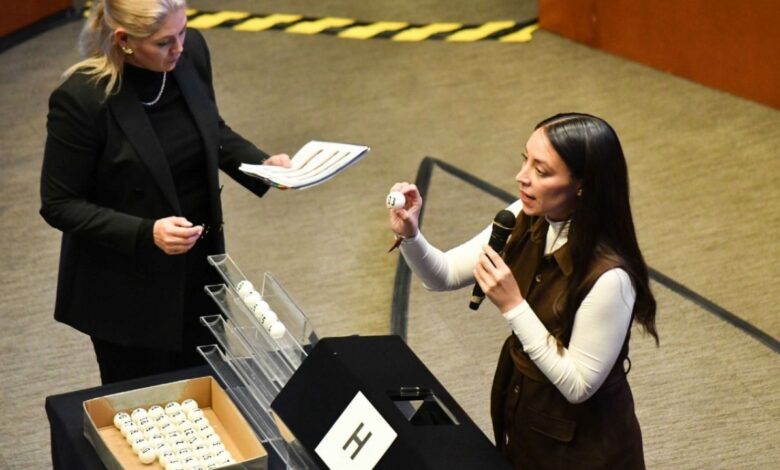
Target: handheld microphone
{"x":502,"y":227}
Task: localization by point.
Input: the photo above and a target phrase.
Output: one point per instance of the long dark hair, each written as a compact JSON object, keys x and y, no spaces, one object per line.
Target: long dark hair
{"x":601,"y":225}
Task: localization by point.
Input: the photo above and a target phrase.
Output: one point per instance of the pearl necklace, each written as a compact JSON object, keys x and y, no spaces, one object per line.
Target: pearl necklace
{"x":159,"y":95}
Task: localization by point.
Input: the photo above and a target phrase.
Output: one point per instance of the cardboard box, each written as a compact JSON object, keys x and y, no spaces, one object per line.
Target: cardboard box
{"x":219,"y":409}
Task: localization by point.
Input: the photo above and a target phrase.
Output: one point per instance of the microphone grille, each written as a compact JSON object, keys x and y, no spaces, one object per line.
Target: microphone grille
{"x":505,"y":219}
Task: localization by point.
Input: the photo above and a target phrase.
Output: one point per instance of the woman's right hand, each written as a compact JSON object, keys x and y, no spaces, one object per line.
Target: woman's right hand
{"x":404,"y":222}
{"x":176,"y":235}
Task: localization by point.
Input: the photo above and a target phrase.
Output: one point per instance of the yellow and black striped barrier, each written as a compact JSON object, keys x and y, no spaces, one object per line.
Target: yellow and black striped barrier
{"x":501,"y":31}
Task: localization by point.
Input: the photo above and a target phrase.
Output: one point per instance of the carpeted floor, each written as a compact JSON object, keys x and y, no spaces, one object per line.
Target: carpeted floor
{"x":703,"y":167}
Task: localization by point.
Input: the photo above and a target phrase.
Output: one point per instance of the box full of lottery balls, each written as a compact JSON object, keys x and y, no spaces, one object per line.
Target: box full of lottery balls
{"x":189,"y":424}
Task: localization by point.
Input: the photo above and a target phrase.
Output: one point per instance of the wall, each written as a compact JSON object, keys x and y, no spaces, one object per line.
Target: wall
{"x":20,"y":13}
{"x":731,"y":45}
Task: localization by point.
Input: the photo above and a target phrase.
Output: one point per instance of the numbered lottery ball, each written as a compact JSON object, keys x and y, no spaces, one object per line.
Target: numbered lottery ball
{"x":268,"y":318}
{"x":172,"y":407}
{"x":252,"y":299}
{"x":244,"y":288}
{"x":395,"y":200}
{"x":277,"y":329}
{"x":147,"y":455}
{"x":126,"y":427}
{"x":138,"y":414}
{"x":138,"y":444}
{"x":120,"y":418}
{"x":194,"y":415}
{"x":260,"y":308}
{"x":155,"y":412}
{"x":166,"y":457}
{"x":189,"y":405}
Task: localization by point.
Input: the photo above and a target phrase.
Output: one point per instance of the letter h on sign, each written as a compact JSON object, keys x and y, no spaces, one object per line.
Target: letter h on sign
{"x":358,"y":438}
{"x":360,"y":442}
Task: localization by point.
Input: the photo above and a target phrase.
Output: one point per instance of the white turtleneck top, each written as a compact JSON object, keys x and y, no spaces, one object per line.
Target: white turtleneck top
{"x":600,"y":324}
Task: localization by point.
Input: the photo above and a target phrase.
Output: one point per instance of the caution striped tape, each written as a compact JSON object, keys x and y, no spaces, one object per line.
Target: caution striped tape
{"x":501,"y":31}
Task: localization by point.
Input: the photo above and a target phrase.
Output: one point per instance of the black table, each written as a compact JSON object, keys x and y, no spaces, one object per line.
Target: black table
{"x":69,"y":448}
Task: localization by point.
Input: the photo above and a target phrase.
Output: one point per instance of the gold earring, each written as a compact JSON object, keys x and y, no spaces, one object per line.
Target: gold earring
{"x":127,"y":50}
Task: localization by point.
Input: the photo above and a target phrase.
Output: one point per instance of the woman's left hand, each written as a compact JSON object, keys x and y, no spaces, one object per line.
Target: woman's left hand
{"x":497,"y":281}
{"x":280,"y":159}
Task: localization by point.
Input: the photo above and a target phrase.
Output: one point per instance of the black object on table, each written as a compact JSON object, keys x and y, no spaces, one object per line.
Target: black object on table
{"x":431,"y":430}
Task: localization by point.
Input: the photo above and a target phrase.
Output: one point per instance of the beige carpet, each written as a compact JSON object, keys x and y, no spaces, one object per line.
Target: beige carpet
{"x":703,"y":165}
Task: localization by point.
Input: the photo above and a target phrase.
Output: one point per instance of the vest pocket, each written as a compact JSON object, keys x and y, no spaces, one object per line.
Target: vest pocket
{"x":556,"y":428}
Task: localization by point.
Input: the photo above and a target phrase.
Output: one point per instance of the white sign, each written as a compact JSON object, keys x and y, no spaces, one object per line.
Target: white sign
{"x":358,"y":439}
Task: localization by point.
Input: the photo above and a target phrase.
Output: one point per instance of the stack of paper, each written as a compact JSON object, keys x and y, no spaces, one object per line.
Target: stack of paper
{"x":315,"y":163}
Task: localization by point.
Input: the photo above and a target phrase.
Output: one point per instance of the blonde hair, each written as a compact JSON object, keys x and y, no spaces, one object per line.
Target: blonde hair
{"x":102,"y":56}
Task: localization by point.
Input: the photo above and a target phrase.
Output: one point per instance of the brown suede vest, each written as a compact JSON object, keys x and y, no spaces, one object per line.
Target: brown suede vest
{"x":534,"y":425}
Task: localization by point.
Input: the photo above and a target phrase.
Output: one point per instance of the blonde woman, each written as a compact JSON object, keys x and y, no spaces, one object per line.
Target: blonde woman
{"x":130,"y":177}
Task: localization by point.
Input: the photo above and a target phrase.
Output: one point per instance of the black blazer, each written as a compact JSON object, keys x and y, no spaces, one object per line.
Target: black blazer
{"x":104,"y":173}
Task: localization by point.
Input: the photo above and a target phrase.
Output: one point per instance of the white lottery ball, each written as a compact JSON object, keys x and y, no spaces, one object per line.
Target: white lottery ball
{"x":178,"y":418}
{"x":252,"y":299}
{"x":395,"y":200}
{"x":134,"y":435}
{"x":172,"y":407}
{"x":268,"y":318}
{"x":223,"y":457}
{"x":143,"y":423}
{"x":149,"y":430}
{"x":277,"y":329}
{"x":161,"y":421}
{"x":200,"y":451}
{"x":194,"y":415}
{"x":138,"y":414}
{"x":156,"y":412}
{"x":260,"y":308}
{"x":157,"y":442}
{"x":127,"y":427}
{"x":194,"y":442}
{"x":147,"y":455}
{"x":244,"y":288}
{"x":198,"y":421}
{"x":179,"y":447}
{"x":189,"y":405}
{"x":139,"y":444}
{"x":166,"y":456}
{"x":205,"y":431}
{"x":189,"y":463}
{"x":212,"y":439}
{"x":121,"y":417}
{"x":167,"y":428}
{"x":217,"y":448}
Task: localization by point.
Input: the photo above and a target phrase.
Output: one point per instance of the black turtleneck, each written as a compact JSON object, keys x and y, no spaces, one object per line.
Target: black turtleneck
{"x":180,"y":140}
